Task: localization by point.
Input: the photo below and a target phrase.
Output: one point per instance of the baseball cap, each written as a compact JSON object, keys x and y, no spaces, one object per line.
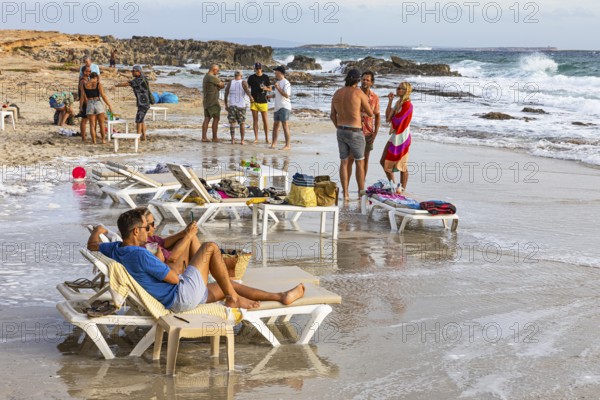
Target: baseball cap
{"x":353,"y":74}
{"x":280,"y":68}
{"x":137,"y":68}
{"x":258,"y":66}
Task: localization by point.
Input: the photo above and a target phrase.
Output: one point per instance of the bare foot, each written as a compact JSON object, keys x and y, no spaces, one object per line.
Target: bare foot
{"x":205,"y":140}
{"x":233,"y":142}
{"x":292,"y":295}
{"x":272,"y":146}
{"x":215,"y":140}
{"x":243,"y":142}
{"x":255,"y":141}
{"x":104,"y":142}
{"x":241,"y":302}
{"x":268,"y":142}
{"x":346,"y":199}
{"x":286,"y":148}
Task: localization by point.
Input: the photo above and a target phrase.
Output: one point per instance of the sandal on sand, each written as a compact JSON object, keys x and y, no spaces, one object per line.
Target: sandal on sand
{"x":100,"y":308}
{"x":82,"y":283}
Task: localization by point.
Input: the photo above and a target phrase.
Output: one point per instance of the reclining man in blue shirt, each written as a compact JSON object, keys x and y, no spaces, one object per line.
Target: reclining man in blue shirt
{"x":183,"y":292}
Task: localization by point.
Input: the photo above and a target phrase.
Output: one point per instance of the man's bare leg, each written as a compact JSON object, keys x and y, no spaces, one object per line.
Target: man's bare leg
{"x":344,"y":178}
{"x":287,"y":297}
{"x":403,"y":179}
{"x":275,"y":134}
{"x":83,"y":128}
{"x":209,"y":259}
{"x":215,"y":129}
{"x":242,"y":132}
{"x":286,"y":133}
{"x":265,"y":119}
{"x":255,"y":125}
{"x":350,"y":166}
{"x":360,"y":175}
{"x":205,"y":129}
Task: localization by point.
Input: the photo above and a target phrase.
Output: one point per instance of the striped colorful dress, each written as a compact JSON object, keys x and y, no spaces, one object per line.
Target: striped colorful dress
{"x":399,"y":143}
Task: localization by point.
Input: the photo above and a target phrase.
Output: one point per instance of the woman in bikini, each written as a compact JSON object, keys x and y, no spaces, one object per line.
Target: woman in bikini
{"x":93,"y":94}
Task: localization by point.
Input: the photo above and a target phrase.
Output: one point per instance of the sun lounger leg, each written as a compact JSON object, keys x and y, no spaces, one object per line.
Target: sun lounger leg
{"x":336,"y":220}
{"x":129,"y":200}
{"x":255,"y":220}
{"x":454,"y":225}
{"x":230,"y":351}
{"x":392,"y":217}
{"x":214,"y":346}
{"x":317,"y":316}
{"x":405,"y":221}
{"x":265,"y":225}
{"x":296,"y":216}
{"x":264,"y":330}
{"x":236,"y":215}
{"x":445,"y":224}
{"x":144,"y":343}
{"x":273,"y":216}
{"x":93,"y":332}
{"x":158,"y":342}
{"x":206,"y":216}
{"x":363,"y":205}
{"x":323,"y":221}
{"x":172,"y":349}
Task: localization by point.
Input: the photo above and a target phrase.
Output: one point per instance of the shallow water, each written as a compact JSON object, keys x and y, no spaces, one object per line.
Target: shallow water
{"x":505,"y":308}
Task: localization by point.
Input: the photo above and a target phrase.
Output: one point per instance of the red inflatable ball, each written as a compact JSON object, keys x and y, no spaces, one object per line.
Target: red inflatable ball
{"x":78,"y":173}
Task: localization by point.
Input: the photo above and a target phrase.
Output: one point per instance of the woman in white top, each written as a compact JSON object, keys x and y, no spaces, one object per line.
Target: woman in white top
{"x":283,"y":107}
{"x":237,"y":95}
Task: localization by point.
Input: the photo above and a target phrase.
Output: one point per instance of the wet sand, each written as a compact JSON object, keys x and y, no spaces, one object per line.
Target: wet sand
{"x":504,"y":308}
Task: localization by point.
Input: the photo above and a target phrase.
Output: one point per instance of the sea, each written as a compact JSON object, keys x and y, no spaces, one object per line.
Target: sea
{"x":564,"y":84}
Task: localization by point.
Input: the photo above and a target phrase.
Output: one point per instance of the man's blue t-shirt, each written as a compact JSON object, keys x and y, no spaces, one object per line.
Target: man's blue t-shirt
{"x":145,"y":268}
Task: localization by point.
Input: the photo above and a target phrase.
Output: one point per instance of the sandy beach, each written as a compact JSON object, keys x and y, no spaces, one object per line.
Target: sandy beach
{"x":506,"y":307}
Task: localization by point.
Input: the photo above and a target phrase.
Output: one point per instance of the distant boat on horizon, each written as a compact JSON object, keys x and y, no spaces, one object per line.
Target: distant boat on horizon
{"x":422,"y":47}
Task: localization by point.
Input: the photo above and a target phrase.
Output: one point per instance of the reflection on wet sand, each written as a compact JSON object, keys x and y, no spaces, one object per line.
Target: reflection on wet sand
{"x":198,"y":375}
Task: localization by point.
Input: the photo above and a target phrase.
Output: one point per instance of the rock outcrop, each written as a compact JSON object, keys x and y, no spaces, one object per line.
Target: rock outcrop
{"x":301,"y":62}
{"x":398,"y":66}
{"x":63,"y":48}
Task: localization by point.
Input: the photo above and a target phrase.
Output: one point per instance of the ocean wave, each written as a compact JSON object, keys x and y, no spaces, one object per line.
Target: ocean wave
{"x":330,"y":65}
{"x":538,"y":63}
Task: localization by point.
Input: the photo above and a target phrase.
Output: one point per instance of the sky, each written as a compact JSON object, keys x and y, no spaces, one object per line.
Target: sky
{"x":461,"y":23}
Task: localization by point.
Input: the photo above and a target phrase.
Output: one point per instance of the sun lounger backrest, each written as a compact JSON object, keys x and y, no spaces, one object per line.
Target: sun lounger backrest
{"x":99,"y":265}
{"x":130,"y":172}
{"x":189,"y":181}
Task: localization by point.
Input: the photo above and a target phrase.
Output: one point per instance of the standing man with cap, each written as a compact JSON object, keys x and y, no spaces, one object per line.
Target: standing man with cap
{"x":259,"y":86}
{"x":143,"y":96}
{"x":283,"y":107}
{"x":347,"y":106}
{"x":211,"y":84}
{"x":236,"y":93}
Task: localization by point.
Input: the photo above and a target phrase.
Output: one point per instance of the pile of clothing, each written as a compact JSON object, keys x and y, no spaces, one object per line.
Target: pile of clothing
{"x":382,"y":191}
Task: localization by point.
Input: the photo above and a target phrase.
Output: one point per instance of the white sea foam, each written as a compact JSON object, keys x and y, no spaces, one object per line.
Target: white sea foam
{"x":538,"y":63}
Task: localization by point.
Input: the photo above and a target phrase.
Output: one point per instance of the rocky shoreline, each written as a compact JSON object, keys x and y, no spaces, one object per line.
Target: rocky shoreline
{"x":65,"y":48}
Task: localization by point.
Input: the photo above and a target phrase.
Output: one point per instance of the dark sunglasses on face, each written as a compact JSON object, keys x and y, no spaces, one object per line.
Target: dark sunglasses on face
{"x":151,"y":224}
{"x":147,"y":228}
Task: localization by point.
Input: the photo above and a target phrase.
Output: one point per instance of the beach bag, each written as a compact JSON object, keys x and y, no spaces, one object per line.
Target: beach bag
{"x":167,"y":97}
{"x":326,"y":191}
{"x":302,"y":193}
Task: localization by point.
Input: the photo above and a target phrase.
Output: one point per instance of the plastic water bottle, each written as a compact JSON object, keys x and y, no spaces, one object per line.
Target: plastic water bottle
{"x":110,"y":115}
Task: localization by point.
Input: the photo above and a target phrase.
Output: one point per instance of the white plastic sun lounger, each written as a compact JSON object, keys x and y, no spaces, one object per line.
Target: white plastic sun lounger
{"x":135,"y":183}
{"x":191,"y":186}
{"x":316,"y":303}
{"x":368,"y":204}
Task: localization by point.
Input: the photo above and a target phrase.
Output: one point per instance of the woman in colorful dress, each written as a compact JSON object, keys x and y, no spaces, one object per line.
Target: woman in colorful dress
{"x":395,"y":154}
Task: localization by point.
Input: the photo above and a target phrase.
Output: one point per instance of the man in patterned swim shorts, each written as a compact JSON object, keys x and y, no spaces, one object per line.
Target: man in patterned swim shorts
{"x":237,"y":93}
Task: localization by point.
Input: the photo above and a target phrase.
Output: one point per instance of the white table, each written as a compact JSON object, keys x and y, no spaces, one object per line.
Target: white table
{"x":266,"y":172}
{"x":268,"y":210}
{"x":161,"y":109}
{"x":3,"y":114}
{"x":110,"y":124}
{"x":134,"y":136}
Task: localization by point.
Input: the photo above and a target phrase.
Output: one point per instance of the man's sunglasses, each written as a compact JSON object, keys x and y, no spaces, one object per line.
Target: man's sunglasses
{"x":147,"y":227}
